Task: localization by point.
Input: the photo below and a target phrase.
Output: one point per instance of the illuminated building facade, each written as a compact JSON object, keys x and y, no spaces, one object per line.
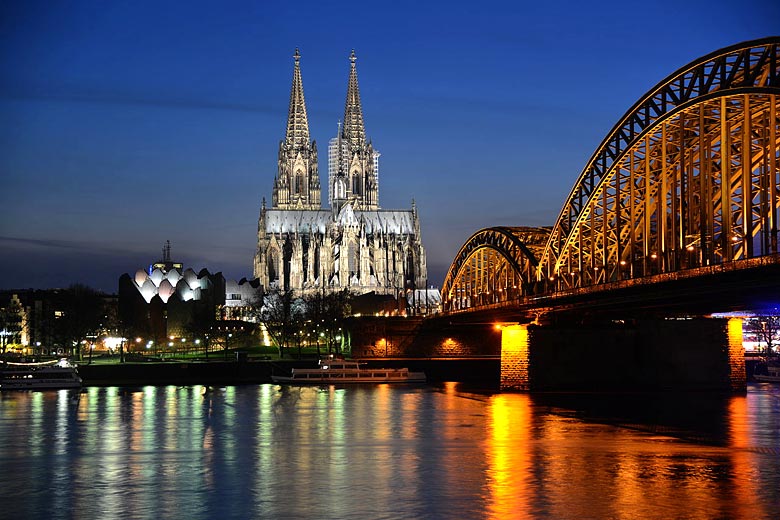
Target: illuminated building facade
{"x":166,"y":300}
{"x":355,"y":244}
{"x":241,"y":298}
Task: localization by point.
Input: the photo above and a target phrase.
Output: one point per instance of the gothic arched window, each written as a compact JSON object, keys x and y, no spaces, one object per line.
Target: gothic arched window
{"x":273,"y":266}
{"x":356,"y":184}
{"x":353,"y":260}
{"x":298,"y":183}
{"x":411,"y":271}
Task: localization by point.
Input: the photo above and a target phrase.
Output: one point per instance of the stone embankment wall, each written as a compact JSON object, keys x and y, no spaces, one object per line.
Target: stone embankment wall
{"x":380,"y":337}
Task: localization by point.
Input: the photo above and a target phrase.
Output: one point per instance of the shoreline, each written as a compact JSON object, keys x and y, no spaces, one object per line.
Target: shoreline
{"x":481,"y":370}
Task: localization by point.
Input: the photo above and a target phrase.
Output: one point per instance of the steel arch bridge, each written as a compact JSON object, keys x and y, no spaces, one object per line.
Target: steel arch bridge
{"x":689,"y":177}
{"x":495,"y":265}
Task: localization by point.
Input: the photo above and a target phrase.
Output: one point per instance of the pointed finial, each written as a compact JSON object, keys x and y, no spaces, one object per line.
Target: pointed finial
{"x":263,"y":203}
{"x":352,"y":57}
{"x":297,"y":55}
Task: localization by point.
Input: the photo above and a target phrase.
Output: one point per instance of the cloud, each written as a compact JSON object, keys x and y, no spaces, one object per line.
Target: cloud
{"x":58,"y":244}
{"x":63,"y":246}
{"x":132,"y":99}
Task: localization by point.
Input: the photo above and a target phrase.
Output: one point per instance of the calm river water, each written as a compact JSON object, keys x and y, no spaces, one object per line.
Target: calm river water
{"x":373,"y":452}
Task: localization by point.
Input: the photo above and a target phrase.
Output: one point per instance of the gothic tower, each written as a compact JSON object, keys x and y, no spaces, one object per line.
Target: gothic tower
{"x":354,"y":245}
{"x":297,"y":183}
{"x":357,"y":179}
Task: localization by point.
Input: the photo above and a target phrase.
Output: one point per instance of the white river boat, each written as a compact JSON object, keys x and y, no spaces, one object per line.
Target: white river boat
{"x":772,"y":375}
{"x":39,"y":376}
{"x":339,"y":371}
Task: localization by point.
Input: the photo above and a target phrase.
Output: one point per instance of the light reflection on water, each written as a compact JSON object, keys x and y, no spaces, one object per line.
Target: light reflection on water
{"x":386,"y":452}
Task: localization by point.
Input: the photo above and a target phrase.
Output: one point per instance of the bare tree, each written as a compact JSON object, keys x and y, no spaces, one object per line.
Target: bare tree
{"x":766,"y":329}
{"x":281,"y":314}
{"x":326,"y":314}
{"x":201,"y":327}
{"x":81,"y":310}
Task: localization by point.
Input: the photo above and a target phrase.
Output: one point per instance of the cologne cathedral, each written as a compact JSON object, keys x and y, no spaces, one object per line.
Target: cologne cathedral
{"x":355,"y":244}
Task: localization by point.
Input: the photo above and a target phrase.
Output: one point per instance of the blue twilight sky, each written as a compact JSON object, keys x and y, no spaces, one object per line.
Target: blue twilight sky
{"x":128,"y":123}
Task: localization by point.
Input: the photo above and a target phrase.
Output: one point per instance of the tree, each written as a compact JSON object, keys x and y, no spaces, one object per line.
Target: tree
{"x":281,"y":314}
{"x":114,"y":324}
{"x":79,"y":314}
{"x":326,"y":314}
{"x":766,"y":329}
{"x":10,"y":324}
{"x":201,"y":325}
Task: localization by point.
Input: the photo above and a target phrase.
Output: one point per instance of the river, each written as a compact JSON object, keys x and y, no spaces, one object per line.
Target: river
{"x":374,"y":452}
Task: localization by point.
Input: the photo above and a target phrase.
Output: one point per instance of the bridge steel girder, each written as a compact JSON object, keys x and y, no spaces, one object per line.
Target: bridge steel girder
{"x":689,"y":177}
{"x":495,"y":265}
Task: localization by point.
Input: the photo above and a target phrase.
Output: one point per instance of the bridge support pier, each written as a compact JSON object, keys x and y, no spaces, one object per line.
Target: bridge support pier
{"x":515,"y":358}
{"x":643,"y":355}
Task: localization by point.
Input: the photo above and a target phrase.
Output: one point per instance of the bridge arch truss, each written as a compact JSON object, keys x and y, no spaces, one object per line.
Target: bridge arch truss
{"x":495,"y":265}
{"x":689,"y":177}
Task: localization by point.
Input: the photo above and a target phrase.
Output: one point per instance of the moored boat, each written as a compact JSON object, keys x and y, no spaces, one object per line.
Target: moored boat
{"x":39,"y":376}
{"x":339,"y":371}
{"x":772,"y":375}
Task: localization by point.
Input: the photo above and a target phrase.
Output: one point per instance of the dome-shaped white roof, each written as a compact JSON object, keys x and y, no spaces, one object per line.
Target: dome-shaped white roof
{"x":165,"y":291}
{"x":184,"y":291}
{"x":191,"y":278}
{"x":173,"y":276}
{"x":148,"y":290}
{"x":140,"y":277}
{"x":156,"y":277}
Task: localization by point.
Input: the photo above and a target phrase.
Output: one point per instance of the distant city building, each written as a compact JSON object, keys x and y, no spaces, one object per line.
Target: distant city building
{"x":334,"y":159}
{"x":304,"y":247}
{"x":241,"y":299}
{"x":164,"y":300}
{"x":39,"y":322}
{"x":424,"y":301}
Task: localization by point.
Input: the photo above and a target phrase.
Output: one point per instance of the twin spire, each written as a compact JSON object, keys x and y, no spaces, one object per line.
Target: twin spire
{"x":297,"y":122}
{"x":353,"y":172}
{"x":352,"y":130}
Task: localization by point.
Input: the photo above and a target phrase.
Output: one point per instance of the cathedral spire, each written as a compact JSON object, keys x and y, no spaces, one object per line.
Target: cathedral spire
{"x":353,"y":129}
{"x":297,"y":184}
{"x":297,"y":122}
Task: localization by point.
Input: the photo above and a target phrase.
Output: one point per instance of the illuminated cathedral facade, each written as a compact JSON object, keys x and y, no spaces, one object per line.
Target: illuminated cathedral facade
{"x":355,"y":244}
